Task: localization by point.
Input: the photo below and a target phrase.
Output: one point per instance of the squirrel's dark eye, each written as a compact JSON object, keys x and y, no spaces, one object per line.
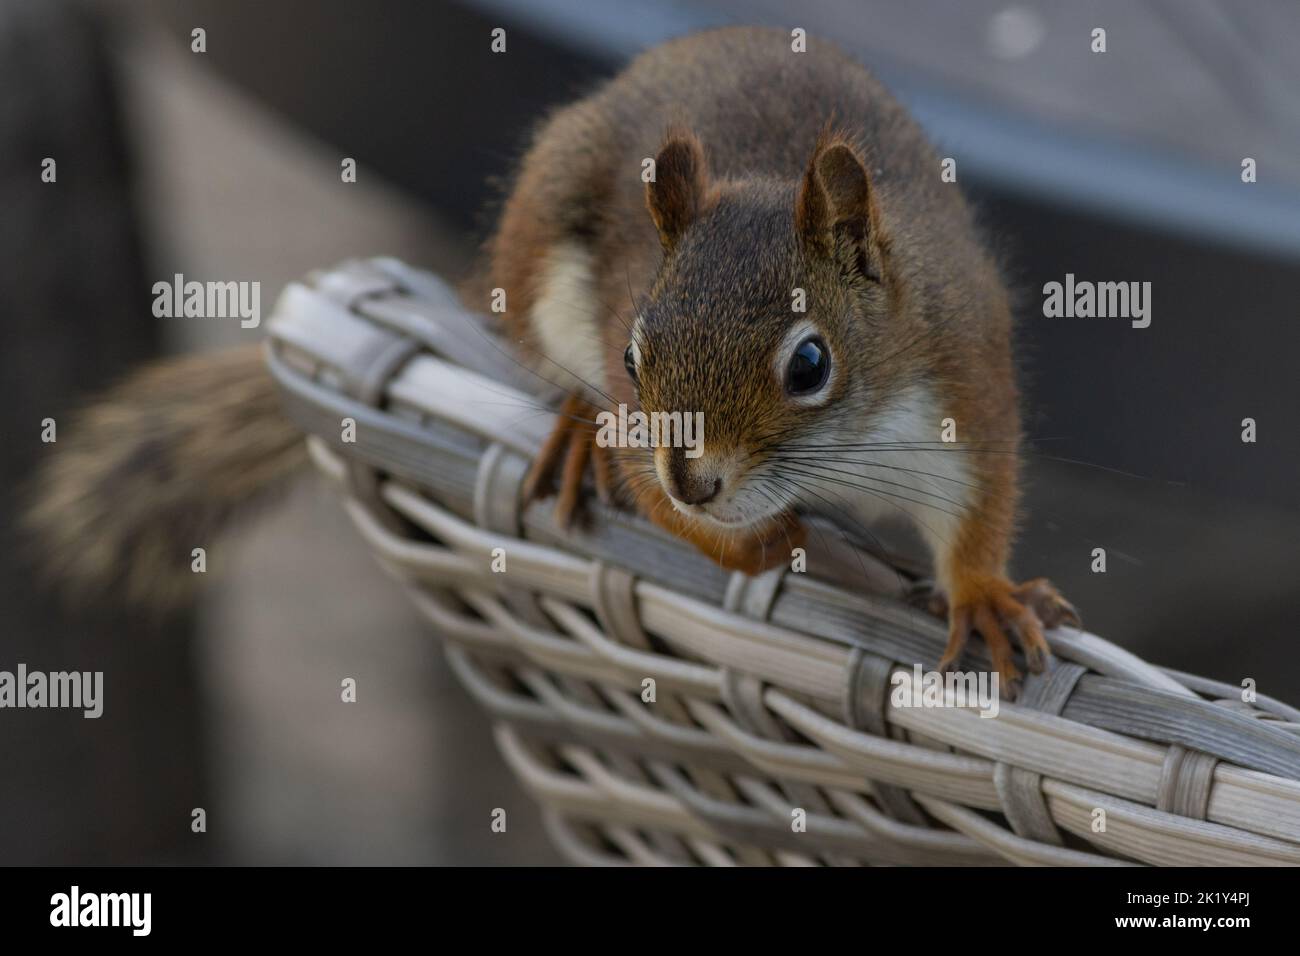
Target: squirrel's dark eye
{"x":810,"y":366}
{"x":629,"y":362}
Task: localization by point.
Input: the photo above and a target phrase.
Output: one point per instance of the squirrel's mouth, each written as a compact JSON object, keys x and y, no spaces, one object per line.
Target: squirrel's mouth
{"x":731,"y":518}
{"x":724,"y":522}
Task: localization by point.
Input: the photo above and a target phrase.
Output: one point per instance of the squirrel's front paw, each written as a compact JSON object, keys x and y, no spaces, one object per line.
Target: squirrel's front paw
{"x":569,"y":449}
{"x":995,"y":607}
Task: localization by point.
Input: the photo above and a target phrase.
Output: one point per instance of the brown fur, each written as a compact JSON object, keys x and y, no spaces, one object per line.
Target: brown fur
{"x":156,"y":468}
{"x":775,"y":170}
{"x":680,"y":192}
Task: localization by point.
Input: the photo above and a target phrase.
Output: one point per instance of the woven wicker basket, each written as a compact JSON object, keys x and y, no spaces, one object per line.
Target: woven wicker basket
{"x":772,"y":694}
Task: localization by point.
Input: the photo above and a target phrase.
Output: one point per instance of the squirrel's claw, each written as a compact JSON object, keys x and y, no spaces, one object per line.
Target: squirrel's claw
{"x":1052,"y":609}
{"x":602,"y":464}
{"x":980,"y":617}
{"x":996,"y":609}
{"x":576,"y":459}
{"x":569,"y":449}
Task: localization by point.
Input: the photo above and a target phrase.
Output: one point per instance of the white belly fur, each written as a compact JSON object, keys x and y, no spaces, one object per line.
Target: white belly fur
{"x":566,"y":319}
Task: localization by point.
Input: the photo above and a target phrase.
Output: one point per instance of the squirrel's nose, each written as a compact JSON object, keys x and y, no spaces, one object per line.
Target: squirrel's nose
{"x":687,"y":485}
{"x":697,"y":493}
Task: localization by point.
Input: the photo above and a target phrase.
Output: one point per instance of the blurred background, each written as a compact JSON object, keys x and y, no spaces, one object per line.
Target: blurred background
{"x":1122,"y":166}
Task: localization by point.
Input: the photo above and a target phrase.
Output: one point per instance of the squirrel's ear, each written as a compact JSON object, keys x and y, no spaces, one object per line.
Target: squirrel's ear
{"x":680,"y":187}
{"x":835,"y":212}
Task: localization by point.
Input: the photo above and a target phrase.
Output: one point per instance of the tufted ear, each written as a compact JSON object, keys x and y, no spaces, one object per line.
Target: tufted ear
{"x":835,"y":212}
{"x":681,"y":187}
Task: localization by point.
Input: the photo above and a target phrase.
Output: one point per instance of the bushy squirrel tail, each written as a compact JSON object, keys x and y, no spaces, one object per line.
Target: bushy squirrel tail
{"x":155,"y":468}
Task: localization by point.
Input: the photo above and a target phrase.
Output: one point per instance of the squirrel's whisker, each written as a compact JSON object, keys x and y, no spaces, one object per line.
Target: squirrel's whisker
{"x":817,"y":468}
{"x":845,"y":515}
{"x":871,"y":489}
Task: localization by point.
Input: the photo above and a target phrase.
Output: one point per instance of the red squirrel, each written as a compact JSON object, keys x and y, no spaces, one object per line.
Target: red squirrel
{"x":777,"y":174}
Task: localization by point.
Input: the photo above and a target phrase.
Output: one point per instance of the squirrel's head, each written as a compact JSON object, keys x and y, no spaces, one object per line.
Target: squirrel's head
{"x":765,"y":316}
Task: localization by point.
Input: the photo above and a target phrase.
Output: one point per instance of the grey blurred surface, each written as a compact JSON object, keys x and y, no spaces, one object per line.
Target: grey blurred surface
{"x":73,"y":315}
{"x":1192,"y":582}
{"x":409,"y":773}
{"x":1173,"y":70}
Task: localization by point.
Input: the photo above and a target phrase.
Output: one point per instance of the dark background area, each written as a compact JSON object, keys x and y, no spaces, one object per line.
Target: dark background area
{"x":1123,"y":166}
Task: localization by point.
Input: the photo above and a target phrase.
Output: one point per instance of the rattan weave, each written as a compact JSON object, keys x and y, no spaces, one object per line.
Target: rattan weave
{"x":772,"y":694}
